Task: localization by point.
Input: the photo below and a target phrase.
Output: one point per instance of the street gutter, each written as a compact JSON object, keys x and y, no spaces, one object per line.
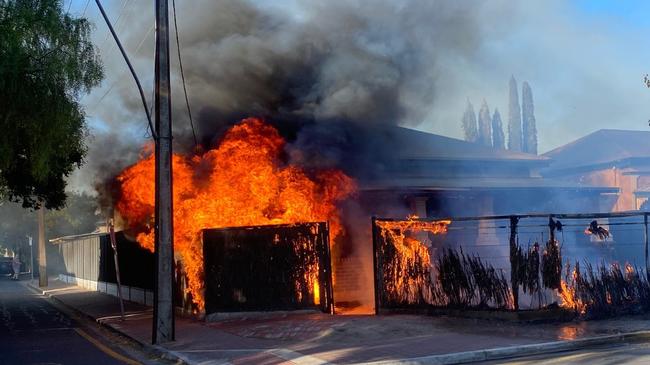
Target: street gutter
{"x":499,"y":353}
{"x":156,"y":350}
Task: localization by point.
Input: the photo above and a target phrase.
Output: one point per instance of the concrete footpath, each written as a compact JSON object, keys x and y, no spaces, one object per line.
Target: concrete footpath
{"x":315,"y":338}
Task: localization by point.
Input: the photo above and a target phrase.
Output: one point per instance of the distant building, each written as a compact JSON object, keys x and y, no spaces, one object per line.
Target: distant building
{"x":607,"y":158}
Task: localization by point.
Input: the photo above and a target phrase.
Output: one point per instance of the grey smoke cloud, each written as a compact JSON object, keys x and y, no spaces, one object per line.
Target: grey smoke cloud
{"x":411,"y":63}
{"x":362,"y":62}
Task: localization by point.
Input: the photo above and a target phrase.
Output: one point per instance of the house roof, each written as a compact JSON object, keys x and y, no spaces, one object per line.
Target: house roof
{"x":75,"y":237}
{"x":413,"y":144}
{"x":481,"y":183}
{"x":605,"y":146}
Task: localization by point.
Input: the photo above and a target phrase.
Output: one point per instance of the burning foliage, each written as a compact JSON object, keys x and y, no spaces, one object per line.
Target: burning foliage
{"x":466,"y":281}
{"x":527,"y":268}
{"x":459,"y":280}
{"x":406,"y":261}
{"x":242,"y":182}
{"x":410,"y":278}
{"x":552,"y":265}
{"x":605,"y":290}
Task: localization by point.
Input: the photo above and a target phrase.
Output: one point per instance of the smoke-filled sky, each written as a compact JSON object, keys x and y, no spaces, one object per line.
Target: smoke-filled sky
{"x":410,"y":63}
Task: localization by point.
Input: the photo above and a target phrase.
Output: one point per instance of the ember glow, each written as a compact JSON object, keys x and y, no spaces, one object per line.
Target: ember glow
{"x":242,"y":182}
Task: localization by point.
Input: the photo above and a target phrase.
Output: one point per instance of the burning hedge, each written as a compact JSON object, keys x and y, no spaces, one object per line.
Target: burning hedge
{"x":406,"y":268}
{"x":408,"y":276}
{"x":465,"y":281}
{"x":605,"y":290}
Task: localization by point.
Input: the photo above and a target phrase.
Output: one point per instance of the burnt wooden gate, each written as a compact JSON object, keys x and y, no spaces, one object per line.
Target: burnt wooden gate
{"x":264,"y":268}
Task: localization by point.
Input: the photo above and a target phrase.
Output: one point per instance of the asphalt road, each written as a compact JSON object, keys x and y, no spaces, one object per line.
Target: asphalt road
{"x":628,"y":354}
{"x":33,"y":331}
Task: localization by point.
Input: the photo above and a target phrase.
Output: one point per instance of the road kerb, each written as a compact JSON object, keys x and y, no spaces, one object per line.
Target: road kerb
{"x":510,"y":352}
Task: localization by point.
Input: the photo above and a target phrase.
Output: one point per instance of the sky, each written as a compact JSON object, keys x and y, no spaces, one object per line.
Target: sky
{"x":585,"y":62}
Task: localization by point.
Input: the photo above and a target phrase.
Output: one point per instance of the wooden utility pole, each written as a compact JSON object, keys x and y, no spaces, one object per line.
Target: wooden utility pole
{"x":42,"y":257}
{"x":163,"y":308}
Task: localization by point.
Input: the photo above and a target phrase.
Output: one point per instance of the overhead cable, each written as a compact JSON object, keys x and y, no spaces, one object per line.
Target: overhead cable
{"x":128,"y":62}
{"x":180,"y":65}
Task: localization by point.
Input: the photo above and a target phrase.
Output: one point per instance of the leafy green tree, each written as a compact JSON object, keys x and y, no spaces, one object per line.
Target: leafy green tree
{"x":47,"y":62}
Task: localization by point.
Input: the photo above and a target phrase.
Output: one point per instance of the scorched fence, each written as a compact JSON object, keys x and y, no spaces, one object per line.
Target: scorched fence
{"x":587,"y":262}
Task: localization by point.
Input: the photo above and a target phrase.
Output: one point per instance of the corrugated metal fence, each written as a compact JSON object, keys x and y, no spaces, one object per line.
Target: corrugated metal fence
{"x":88,"y":262}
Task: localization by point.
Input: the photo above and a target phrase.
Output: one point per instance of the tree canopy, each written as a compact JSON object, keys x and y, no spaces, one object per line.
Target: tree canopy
{"x":47,"y":62}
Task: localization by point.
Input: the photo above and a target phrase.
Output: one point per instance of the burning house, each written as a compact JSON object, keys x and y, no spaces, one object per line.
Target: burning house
{"x":330,"y":149}
{"x":261,"y":224}
{"x":257,"y":177}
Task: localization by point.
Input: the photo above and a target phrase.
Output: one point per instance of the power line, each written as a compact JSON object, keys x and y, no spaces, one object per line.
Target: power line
{"x":85,"y":8}
{"x":135,"y":52}
{"x":121,"y":20}
{"x":119,"y":15}
{"x":144,"y":38}
{"x":106,"y":93}
{"x":126,"y":58}
{"x":180,"y":66}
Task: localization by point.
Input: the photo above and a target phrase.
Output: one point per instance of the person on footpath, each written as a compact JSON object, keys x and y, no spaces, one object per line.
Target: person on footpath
{"x":15,"y":264}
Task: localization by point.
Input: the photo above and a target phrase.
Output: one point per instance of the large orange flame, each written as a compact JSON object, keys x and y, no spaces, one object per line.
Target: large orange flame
{"x":240,"y":183}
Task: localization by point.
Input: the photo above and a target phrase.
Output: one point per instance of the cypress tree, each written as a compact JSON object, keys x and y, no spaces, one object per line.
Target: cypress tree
{"x":514,"y":118}
{"x":498,"y":138}
{"x":528,"y":119}
{"x":469,"y":123}
{"x":484,"y":125}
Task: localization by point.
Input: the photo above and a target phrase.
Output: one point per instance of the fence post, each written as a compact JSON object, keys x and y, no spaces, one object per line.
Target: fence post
{"x":645,"y":240}
{"x":111,"y":229}
{"x":328,"y":289}
{"x":513,"y":261}
{"x":375,"y":263}
{"x":551,"y":227}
